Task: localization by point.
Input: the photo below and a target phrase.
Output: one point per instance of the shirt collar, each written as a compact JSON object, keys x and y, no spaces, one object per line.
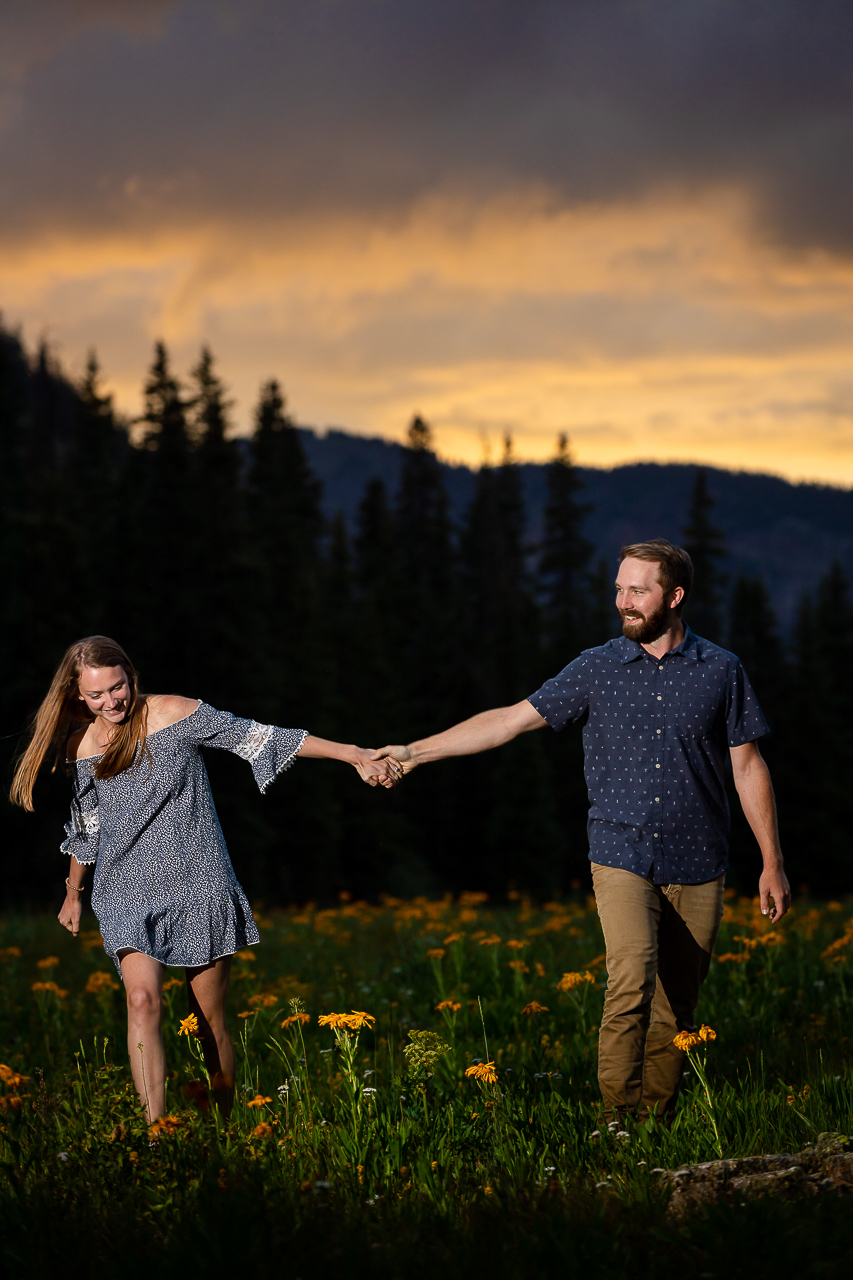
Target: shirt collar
{"x":630,"y":650}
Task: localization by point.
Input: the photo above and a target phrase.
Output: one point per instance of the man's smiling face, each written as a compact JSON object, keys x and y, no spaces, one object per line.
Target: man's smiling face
{"x":646,"y":611}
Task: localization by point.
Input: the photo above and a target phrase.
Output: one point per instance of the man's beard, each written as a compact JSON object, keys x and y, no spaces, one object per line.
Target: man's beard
{"x":651,"y":628}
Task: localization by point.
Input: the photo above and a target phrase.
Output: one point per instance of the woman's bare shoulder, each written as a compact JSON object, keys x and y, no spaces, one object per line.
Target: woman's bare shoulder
{"x":167,"y":708}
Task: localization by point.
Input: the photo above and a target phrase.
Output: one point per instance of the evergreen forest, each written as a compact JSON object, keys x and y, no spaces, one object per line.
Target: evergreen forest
{"x":210,"y":559}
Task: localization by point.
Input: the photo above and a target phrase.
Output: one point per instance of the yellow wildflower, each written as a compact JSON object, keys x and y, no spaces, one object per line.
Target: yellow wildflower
{"x":258,"y":1101}
{"x":484,"y":1071}
{"x":569,"y":981}
{"x":189,"y":1026}
{"x":264,"y":1000}
{"x":533,"y":1008}
{"x":50,"y":986}
{"x":12,"y":1079}
{"x":346,"y":1021}
{"x":49,"y":962}
{"x":165,"y":1127}
{"x":687,"y":1040}
{"x":296,"y":1019}
{"x":98,"y":982}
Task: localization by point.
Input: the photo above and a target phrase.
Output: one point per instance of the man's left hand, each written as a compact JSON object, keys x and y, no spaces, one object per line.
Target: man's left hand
{"x":773,"y":884}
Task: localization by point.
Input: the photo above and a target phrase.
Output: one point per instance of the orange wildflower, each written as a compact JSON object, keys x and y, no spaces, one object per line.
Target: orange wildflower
{"x":189,"y":1026}
{"x":12,"y":1079}
{"x":491,"y":941}
{"x":50,"y":986}
{"x":264,"y":1000}
{"x":49,"y":962}
{"x":569,"y":981}
{"x":98,"y":982}
{"x":519,"y":966}
{"x":346,"y":1021}
{"x":258,"y":1101}
{"x":10,"y":953}
{"x":262,"y":1130}
{"x":247,"y":1013}
{"x":452,"y":1006}
{"x":534,"y":1007}
{"x":296,"y":1019}
{"x":484,"y":1071}
{"x":515,"y":944}
{"x":245,"y":954}
{"x":453,"y":937}
{"x":165,"y":1127}
{"x":436,"y":953}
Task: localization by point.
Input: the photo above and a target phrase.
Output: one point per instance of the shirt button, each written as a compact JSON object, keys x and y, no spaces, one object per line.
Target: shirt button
{"x":657,"y":766}
{"x":657,"y":799}
{"x":660,"y":697}
{"x":656,"y":835}
{"x":660,"y":731}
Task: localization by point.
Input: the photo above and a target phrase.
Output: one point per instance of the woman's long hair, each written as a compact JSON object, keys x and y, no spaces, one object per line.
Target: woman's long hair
{"x":63,"y":711}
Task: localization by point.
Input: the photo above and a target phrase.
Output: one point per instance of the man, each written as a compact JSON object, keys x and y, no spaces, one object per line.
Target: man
{"x":662,"y":708}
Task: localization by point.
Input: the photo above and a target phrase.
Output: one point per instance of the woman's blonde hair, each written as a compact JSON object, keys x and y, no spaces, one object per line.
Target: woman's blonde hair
{"x":63,"y":711}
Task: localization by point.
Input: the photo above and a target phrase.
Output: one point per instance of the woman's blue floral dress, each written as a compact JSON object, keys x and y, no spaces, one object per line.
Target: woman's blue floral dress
{"x":164,"y":884}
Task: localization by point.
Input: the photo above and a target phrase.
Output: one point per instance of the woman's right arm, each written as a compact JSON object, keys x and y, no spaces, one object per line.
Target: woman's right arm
{"x":82,"y":839}
{"x":72,"y":907}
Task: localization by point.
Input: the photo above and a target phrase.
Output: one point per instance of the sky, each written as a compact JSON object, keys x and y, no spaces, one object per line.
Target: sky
{"x":627,"y":220}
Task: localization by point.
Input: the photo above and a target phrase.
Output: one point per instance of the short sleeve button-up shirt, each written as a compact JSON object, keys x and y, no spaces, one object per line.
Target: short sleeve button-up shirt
{"x":656,"y":740}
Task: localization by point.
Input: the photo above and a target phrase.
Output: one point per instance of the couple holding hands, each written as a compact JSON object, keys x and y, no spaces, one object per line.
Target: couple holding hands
{"x":663,"y":709}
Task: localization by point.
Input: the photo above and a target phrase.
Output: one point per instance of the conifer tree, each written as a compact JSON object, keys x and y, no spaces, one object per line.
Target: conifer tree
{"x":705,"y":544}
{"x":564,"y":566}
{"x":216,"y":535}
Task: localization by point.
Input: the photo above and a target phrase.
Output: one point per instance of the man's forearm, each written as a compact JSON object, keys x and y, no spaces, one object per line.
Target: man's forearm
{"x":755,"y":790}
{"x":481,"y":733}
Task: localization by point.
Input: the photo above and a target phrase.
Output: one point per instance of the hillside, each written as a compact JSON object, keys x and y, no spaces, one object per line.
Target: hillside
{"x":788,"y":533}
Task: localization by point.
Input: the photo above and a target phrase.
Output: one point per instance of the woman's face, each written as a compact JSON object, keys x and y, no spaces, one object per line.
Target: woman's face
{"x":105,"y":692}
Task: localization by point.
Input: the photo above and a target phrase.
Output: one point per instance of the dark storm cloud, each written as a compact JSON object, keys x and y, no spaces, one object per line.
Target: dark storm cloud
{"x":267,"y":108}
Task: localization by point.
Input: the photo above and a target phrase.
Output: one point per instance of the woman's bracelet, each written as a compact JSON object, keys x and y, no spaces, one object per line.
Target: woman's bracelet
{"x":75,"y":887}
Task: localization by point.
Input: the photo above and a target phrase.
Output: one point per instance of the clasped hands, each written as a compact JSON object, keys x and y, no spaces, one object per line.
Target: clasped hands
{"x":385,"y":767}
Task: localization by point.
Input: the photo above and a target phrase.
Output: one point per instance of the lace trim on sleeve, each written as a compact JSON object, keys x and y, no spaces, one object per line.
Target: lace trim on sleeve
{"x":254,"y":742}
{"x":87,"y":824}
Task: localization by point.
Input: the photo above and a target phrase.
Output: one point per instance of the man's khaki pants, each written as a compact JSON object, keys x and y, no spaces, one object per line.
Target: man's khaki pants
{"x":659,"y":939}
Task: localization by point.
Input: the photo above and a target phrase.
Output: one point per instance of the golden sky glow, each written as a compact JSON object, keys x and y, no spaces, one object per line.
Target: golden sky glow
{"x":665,"y":323}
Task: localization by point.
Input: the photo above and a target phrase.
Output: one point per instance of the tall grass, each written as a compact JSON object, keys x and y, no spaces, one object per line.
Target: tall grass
{"x":339,"y":1124}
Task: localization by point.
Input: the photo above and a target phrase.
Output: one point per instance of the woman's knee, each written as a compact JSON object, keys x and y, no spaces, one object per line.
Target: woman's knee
{"x":144,"y":1002}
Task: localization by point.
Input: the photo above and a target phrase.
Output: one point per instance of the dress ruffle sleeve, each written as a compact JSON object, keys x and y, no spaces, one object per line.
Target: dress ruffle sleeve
{"x":267,"y":748}
{"x":83,"y":829}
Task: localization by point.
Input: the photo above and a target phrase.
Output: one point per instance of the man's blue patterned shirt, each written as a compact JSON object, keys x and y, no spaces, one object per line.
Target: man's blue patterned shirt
{"x":656,"y":740}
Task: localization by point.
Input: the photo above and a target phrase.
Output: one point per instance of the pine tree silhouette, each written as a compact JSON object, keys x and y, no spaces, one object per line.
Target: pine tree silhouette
{"x":705,"y":544}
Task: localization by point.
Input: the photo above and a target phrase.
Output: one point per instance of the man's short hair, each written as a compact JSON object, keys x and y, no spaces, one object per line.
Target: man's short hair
{"x":676,"y":567}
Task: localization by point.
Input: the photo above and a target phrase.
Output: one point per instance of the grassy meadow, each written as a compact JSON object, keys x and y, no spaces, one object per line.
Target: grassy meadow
{"x":445,"y":1120}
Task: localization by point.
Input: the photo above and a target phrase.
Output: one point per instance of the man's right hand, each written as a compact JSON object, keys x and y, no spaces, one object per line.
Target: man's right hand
{"x":402,"y":755}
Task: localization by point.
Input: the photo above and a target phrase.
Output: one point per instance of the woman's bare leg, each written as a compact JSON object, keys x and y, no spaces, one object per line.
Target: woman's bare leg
{"x":207,"y":988}
{"x":143,"y":981}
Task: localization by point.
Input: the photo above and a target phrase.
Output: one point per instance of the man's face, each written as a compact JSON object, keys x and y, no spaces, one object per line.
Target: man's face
{"x":646,"y":612}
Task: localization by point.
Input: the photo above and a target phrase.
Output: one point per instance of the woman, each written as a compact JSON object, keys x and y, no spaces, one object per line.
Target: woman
{"x":142,"y":814}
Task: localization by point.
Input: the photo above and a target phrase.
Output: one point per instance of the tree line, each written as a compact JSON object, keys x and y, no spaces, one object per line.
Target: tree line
{"x":208,"y":557}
